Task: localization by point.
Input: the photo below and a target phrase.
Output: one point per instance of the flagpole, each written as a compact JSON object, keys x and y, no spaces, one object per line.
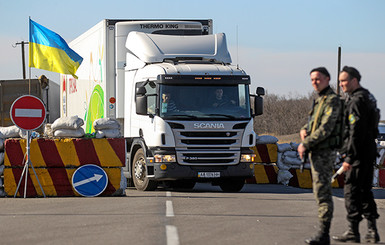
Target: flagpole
{"x":29,"y":56}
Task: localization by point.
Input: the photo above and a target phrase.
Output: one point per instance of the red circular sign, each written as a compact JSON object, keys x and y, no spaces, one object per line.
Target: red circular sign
{"x":28,"y":112}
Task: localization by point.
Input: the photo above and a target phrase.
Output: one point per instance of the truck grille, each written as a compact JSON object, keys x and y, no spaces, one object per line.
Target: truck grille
{"x":208,"y":146}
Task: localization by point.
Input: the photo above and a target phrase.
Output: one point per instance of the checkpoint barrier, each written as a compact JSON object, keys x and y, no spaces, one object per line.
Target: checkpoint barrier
{"x":268,"y":174}
{"x":265,"y":153}
{"x":56,"y":160}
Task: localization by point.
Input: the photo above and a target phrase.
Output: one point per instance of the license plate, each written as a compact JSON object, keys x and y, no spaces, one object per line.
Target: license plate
{"x":209,"y":174}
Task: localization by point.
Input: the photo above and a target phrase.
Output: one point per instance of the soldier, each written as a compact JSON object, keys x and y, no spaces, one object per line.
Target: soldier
{"x":361,"y":128}
{"x":320,"y":138}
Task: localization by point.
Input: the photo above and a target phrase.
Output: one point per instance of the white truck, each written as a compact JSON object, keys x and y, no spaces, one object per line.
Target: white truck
{"x":184,"y":109}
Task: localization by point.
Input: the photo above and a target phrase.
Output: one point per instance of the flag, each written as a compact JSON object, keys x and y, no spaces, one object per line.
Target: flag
{"x":48,"y":51}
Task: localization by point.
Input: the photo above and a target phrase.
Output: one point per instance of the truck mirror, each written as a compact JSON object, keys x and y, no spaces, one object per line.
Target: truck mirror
{"x":140,"y":91}
{"x":260,"y":91}
{"x":258,"y":105}
{"x":141,"y":104}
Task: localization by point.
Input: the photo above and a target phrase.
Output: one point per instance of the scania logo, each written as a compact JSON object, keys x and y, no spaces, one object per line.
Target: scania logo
{"x":209,"y":125}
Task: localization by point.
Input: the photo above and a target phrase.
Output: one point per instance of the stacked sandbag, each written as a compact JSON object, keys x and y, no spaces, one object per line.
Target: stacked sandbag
{"x":106,"y":128}
{"x":68,"y":127}
{"x":288,"y":158}
{"x":5,"y":133}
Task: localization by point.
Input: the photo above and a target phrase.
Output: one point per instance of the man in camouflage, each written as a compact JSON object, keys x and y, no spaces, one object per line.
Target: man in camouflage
{"x":361,"y":129}
{"x":320,"y":138}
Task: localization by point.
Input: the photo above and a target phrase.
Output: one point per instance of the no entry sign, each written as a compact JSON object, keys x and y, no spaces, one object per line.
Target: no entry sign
{"x":28,"y":112}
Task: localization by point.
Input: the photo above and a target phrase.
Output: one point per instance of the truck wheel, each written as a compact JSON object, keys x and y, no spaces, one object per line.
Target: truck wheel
{"x":232,"y":184}
{"x":186,"y":184}
{"x":139,"y":174}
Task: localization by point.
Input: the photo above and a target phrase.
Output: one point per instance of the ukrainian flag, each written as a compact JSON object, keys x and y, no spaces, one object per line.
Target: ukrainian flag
{"x":48,"y":51}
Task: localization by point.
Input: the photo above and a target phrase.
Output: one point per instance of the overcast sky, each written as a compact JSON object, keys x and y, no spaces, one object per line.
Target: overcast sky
{"x":278,"y":41}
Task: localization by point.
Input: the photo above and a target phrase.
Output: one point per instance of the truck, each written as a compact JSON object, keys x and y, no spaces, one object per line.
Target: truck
{"x":184,"y":109}
{"x":43,"y":88}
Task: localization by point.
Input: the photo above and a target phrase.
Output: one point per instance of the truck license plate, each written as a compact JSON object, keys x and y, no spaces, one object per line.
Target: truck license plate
{"x":209,"y":174}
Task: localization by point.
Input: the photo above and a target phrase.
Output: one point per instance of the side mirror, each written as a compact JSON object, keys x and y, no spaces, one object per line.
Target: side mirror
{"x":258,"y":101}
{"x":140,"y":91}
{"x":141,"y":101}
{"x":258,"y":105}
{"x":260,"y":91}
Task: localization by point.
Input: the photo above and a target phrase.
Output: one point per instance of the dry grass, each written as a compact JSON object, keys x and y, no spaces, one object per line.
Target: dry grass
{"x":289,"y":138}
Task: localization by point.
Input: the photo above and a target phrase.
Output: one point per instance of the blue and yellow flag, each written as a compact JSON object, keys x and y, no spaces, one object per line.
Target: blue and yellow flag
{"x":48,"y":51}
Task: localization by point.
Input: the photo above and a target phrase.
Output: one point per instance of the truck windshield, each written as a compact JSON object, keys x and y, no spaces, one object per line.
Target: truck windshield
{"x":224,"y":102}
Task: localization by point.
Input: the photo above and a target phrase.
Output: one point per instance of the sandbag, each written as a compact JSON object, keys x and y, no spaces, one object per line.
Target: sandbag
{"x":292,"y":160}
{"x":292,"y":154}
{"x":123,"y":185}
{"x":2,"y":169}
{"x":284,"y":147}
{"x":48,"y":132}
{"x":106,"y":123}
{"x":294,"y":145}
{"x":73,"y":133}
{"x":2,"y":144}
{"x":280,"y":163}
{"x":1,"y":158}
{"x":267,"y":139}
{"x":73,"y":122}
{"x":284,"y":177}
{"x":9,"y":132}
{"x":107,"y":133}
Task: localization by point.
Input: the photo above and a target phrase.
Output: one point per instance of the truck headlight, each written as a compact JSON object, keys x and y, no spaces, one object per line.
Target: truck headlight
{"x":248,"y":157}
{"x":165,"y":158}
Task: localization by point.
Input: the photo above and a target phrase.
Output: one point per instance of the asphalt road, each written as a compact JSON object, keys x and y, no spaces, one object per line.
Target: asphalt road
{"x":259,"y":214}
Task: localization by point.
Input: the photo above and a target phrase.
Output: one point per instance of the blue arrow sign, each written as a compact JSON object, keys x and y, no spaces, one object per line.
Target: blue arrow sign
{"x":89,"y":180}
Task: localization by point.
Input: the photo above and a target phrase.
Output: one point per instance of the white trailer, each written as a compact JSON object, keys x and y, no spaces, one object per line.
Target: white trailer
{"x":184,"y":108}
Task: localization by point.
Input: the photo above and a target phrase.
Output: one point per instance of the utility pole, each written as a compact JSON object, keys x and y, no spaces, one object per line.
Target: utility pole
{"x":22,"y":43}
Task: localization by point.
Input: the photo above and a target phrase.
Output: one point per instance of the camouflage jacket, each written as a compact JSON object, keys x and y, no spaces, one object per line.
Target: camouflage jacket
{"x":327,"y":131}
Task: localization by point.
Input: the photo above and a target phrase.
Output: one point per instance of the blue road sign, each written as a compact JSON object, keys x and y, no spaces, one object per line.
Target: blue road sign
{"x":89,"y":180}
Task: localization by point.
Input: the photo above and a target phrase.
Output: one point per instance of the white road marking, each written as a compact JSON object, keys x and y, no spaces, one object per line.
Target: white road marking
{"x":172,"y":235}
{"x":169,"y":209}
{"x":168,"y":194}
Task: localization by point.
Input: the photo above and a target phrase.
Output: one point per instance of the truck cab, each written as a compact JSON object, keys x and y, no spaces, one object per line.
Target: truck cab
{"x":190,"y":114}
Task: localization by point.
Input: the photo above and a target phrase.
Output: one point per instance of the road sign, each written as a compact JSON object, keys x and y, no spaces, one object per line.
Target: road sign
{"x":28,"y":112}
{"x":89,"y":180}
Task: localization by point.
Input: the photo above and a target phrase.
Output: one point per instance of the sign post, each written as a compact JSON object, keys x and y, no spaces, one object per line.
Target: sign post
{"x":28,"y":113}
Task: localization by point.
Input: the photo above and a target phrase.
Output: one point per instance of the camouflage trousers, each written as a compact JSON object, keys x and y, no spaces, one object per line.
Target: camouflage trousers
{"x":322,"y":164}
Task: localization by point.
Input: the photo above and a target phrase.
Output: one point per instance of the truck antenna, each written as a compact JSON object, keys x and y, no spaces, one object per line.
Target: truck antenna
{"x":338,"y":69}
{"x":237,"y":47}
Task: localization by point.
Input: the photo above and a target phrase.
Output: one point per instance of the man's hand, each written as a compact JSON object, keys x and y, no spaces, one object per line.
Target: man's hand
{"x":346,"y":166}
{"x":303,"y":134}
{"x":301,"y":150}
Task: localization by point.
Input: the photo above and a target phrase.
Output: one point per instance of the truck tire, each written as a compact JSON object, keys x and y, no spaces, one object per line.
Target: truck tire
{"x":139,"y":173}
{"x":232,"y":184}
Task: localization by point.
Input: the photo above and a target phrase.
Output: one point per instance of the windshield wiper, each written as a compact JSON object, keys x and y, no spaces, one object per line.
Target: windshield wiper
{"x":222,"y":115}
{"x":182,"y":115}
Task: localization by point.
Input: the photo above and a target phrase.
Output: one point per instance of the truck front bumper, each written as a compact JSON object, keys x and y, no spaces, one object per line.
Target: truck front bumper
{"x":174,"y":171}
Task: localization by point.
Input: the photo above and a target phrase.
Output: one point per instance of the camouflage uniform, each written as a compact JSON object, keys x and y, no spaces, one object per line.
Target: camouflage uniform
{"x":322,"y":141}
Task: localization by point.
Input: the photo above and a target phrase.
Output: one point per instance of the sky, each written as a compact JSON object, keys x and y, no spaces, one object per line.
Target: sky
{"x":277,"y":42}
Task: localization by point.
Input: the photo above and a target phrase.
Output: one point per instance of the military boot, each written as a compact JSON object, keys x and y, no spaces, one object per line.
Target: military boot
{"x":351,"y":235}
{"x":322,"y":237}
{"x":372,"y":235}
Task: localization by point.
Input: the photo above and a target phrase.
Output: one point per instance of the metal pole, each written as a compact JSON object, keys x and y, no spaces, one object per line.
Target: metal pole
{"x":22,"y":43}
{"x":23,"y":55}
{"x":338,"y":70}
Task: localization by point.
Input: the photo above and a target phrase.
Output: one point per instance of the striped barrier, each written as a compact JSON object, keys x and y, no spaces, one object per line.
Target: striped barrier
{"x":56,"y":160}
{"x":265,"y":153}
{"x":267,"y":174}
